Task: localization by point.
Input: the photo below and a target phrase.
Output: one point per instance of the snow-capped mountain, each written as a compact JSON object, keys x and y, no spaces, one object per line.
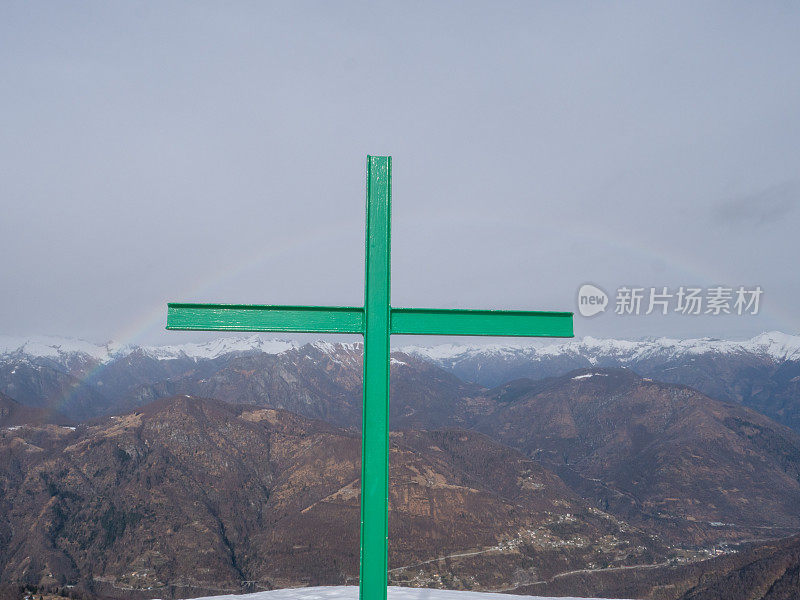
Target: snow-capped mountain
{"x":60,"y":349}
{"x":54,"y":347}
{"x":220,"y":347}
{"x":775,"y":345}
{"x":762,"y":372}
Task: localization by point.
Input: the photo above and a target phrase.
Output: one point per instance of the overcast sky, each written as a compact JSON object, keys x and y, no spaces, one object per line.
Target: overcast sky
{"x":199,"y":151}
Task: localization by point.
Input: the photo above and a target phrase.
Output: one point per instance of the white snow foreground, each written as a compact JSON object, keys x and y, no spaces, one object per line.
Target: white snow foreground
{"x":350,"y":592}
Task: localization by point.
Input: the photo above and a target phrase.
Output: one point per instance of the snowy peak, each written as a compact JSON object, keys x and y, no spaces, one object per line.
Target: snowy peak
{"x":60,"y":349}
{"x":779,"y":345}
{"x":55,"y":347}
{"x":220,"y":347}
{"x":776,"y":345}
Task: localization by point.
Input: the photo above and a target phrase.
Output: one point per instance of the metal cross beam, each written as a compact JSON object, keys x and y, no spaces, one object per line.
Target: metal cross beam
{"x":376,"y":321}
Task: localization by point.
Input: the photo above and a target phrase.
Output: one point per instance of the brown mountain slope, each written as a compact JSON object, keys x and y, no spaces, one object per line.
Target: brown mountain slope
{"x":318,"y":381}
{"x":189,"y":496}
{"x":769,"y":572}
{"x":762,"y":374}
{"x":757,"y":571}
{"x":658,"y":454}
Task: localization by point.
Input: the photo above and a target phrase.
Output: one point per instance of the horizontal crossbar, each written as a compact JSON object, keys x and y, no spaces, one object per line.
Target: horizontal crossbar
{"x":346,"y":319}
{"x":257,"y":317}
{"x":517,"y":323}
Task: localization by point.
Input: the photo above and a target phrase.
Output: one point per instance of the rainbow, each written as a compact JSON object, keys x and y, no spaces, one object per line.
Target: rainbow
{"x":697,"y":270}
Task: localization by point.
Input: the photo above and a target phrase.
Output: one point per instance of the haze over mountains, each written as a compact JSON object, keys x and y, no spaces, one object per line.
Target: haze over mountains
{"x":207,"y":467}
{"x":85,"y":380}
{"x":762,"y":372}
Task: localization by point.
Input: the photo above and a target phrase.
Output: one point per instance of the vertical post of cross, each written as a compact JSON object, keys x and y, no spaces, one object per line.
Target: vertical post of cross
{"x":375,"y":419}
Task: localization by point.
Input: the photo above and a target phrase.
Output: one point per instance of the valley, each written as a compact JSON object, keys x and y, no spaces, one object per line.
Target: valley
{"x":176,"y":472}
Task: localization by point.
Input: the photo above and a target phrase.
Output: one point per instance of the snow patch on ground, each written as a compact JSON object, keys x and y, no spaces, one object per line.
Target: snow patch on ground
{"x":395,"y":593}
{"x":587,"y":375}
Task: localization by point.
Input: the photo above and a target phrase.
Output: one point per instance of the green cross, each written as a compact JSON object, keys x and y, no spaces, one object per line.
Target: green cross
{"x":376,"y":321}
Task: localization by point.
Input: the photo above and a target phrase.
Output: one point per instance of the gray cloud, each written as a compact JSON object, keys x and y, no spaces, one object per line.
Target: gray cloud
{"x":202,"y":151}
{"x":760,"y":208}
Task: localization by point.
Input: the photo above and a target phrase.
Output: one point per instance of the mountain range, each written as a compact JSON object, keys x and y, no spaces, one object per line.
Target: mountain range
{"x":193,"y":495}
{"x":84,"y":380}
{"x":762,"y":373}
{"x":213,"y":467}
